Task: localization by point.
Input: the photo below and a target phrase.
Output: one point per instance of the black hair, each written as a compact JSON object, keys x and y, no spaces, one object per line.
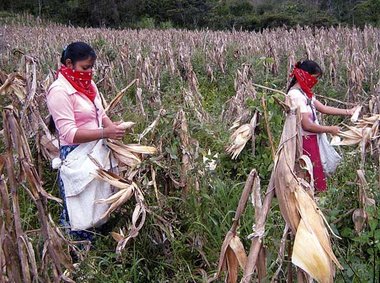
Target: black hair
{"x":309,"y":66}
{"x":51,"y":125}
{"x":77,"y":51}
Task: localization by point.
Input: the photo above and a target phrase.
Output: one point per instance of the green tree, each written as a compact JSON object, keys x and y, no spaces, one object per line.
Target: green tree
{"x":367,"y":12}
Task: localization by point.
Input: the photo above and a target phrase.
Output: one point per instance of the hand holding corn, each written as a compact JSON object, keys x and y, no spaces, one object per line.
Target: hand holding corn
{"x":113,"y":131}
{"x":117,"y":130}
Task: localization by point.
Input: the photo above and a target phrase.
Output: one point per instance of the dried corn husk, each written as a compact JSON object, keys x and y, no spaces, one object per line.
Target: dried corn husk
{"x":118,"y":199}
{"x":127,"y":154}
{"x":360,"y":218}
{"x":355,"y":116}
{"x":138,"y":220}
{"x":363,"y":131}
{"x":284,"y":176}
{"x":318,"y":257}
{"x":115,"y":180}
{"x":309,"y":255}
{"x":232,"y":256}
{"x":241,"y":136}
{"x":123,"y":155}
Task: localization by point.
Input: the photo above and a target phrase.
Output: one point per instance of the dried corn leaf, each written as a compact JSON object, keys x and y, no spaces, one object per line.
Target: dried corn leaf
{"x":313,"y":220}
{"x":309,"y":255}
{"x":238,"y":249}
{"x":116,"y":200}
{"x":138,"y":220}
{"x":359,"y":217}
{"x":113,"y":179}
{"x":284,"y":178}
{"x":118,"y":97}
{"x":123,"y":155}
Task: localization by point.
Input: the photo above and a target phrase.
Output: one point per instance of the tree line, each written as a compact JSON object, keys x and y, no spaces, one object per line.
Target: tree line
{"x":192,"y":14}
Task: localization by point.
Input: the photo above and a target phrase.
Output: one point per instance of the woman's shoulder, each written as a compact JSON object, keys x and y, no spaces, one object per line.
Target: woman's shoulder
{"x":295,"y":92}
{"x":57,"y":84}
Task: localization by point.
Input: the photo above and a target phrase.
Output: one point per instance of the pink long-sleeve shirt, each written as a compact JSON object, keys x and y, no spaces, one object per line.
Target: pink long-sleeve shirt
{"x":72,"y":110}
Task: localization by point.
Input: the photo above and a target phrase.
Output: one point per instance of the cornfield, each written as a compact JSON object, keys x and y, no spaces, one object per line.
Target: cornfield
{"x":191,"y":99}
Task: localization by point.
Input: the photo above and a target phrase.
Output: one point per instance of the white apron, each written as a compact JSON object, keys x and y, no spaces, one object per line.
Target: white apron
{"x":82,"y":189}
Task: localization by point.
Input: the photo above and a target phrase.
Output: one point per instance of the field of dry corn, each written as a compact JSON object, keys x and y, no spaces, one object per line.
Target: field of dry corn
{"x":208,"y":108}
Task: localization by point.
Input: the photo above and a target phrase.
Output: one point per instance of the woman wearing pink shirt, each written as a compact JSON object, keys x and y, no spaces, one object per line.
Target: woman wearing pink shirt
{"x":77,"y":112}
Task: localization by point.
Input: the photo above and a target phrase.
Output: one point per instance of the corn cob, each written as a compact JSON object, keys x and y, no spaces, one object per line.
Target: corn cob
{"x":126,"y":125}
{"x":138,"y":148}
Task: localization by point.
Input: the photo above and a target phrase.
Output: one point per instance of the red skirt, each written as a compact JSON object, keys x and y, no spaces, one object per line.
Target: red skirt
{"x":311,"y":149}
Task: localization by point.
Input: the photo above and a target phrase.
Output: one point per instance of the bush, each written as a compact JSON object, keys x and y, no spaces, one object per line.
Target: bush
{"x":146,"y":22}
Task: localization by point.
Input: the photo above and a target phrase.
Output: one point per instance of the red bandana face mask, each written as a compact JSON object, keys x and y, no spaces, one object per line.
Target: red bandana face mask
{"x":305,"y":80}
{"x":80,"y":80}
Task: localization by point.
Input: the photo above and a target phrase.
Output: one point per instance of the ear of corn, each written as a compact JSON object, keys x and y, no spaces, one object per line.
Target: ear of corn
{"x":126,"y":125}
{"x":240,"y":137}
{"x":142,"y":149}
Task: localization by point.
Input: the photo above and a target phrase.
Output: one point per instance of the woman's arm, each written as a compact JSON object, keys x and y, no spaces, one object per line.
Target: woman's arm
{"x":333,"y":110}
{"x":110,"y":131}
{"x":309,"y":126}
{"x":106,"y":122}
{"x":62,"y":111}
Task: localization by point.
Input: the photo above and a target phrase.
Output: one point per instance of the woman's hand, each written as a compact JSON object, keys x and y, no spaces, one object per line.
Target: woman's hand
{"x":117,"y":123}
{"x":334,"y":130}
{"x":352,"y":110}
{"x":113,"y":132}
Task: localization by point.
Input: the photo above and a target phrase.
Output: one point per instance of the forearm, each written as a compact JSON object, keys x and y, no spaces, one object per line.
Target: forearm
{"x":106,"y":122}
{"x":334,"y":111}
{"x":315,"y":128}
{"x":85,"y":135}
{"x":330,"y":110}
